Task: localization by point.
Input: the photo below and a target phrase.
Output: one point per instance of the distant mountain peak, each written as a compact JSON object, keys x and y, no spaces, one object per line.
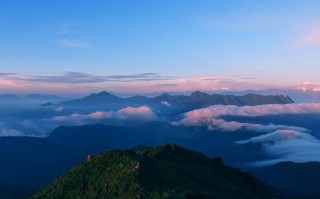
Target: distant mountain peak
{"x":198,"y":94}
{"x":103,"y":93}
{"x":165,"y":95}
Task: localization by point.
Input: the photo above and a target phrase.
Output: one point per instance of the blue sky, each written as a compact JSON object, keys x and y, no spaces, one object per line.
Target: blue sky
{"x":160,"y":45}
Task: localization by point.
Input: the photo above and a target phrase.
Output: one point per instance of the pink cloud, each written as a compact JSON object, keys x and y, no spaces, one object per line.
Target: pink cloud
{"x":282,"y":142}
{"x":253,"y":111}
{"x":311,"y":38}
{"x":140,"y":113}
{"x":80,"y":119}
{"x":308,"y":86}
{"x":210,"y":116}
{"x":99,"y":115}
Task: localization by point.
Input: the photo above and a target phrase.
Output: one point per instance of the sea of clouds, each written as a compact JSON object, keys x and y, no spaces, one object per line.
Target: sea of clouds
{"x":283,"y":142}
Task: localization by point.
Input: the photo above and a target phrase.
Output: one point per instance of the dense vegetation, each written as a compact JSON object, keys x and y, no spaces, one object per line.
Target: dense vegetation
{"x":155,"y":172}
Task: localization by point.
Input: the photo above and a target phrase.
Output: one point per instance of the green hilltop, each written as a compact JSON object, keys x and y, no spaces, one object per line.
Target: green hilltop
{"x":155,"y":172}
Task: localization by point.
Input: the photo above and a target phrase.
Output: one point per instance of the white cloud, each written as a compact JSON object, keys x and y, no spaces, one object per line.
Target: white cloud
{"x":5,"y":130}
{"x":141,"y":113}
{"x":165,"y":103}
{"x":286,"y":145}
{"x":58,"y":109}
{"x":72,"y":43}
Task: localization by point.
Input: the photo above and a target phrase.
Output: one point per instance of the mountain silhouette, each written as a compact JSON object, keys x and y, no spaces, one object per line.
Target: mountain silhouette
{"x":197,"y":99}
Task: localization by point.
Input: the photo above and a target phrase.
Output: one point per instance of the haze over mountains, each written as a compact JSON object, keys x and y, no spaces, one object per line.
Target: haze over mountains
{"x":31,"y":99}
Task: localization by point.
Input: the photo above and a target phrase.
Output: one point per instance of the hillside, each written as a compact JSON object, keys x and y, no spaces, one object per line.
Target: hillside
{"x":155,"y":172}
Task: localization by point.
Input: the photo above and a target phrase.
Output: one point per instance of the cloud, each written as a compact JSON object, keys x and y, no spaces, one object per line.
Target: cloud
{"x":5,"y":130}
{"x":164,"y":85}
{"x":99,"y":115}
{"x":281,"y":142}
{"x":78,"y":82}
{"x":66,"y":27}
{"x":213,"y":112}
{"x":165,"y":103}
{"x":308,"y":86}
{"x":139,"y":76}
{"x":82,"y":118}
{"x":210,"y":116}
{"x":68,"y":77}
{"x":78,"y":77}
{"x":286,"y":145}
{"x":73,"y":44}
{"x":58,"y":109}
{"x":310,"y":38}
{"x":207,"y":83}
{"x":34,"y":127}
{"x":142,"y":113}
{"x":220,"y":124}
{"x":6,"y":74}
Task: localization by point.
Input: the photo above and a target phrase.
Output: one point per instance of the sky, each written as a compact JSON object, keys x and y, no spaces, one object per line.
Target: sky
{"x":143,"y":46}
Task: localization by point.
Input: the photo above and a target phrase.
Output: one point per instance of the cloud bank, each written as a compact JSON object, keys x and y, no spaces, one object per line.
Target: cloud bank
{"x":78,"y":77}
{"x":210,"y":116}
{"x":142,"y":113}
{"x":281,"y":142}
{"x":26,"y":127}
{"x":286,"y":145}
{"x":5,"y":130}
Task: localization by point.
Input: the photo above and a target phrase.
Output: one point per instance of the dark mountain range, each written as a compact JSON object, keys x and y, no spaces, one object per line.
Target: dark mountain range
{"x":195,"y":100}
{"x":292,"y":179}
{"x":298,"y":95}
{"x":155,"y":172}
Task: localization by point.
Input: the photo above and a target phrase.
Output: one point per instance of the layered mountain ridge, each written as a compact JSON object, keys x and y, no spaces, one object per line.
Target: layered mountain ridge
{"x":197,"y":99}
